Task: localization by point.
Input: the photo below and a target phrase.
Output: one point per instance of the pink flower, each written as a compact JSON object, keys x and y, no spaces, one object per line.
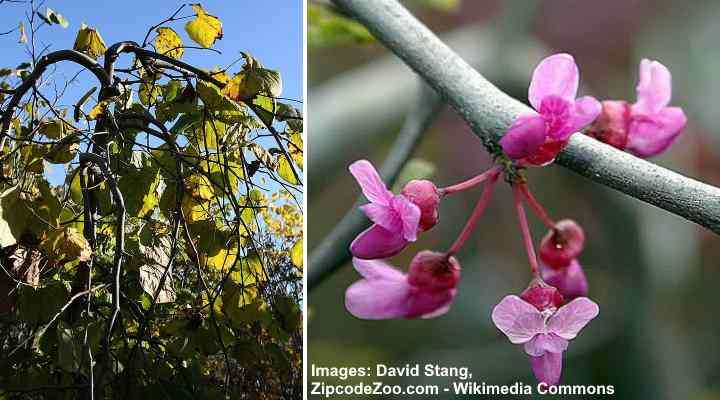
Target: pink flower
{"x":424,"y":194}
{"x":570,"y":280}
{"x":396,"y":219}
{"x":427,"y":291}
{"x":545,"y":333}
{"x":649,"y":126}
{"x":562,"y":244}
{"x":537,"y":138}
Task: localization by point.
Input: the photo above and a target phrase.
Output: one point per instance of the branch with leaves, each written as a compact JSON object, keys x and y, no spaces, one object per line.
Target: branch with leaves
{"x":180,"y":207}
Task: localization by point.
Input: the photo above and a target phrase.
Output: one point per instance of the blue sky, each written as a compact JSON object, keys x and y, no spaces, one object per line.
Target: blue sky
{"x":270,"y":30}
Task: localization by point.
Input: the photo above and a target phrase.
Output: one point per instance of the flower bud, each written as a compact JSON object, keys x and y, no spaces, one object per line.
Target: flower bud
{"x":562,"y":244}
{"x":611,"y":126}
{"x":570,"y":281}
{"x":542,"y":296}
{"x":424,"y":194}
{"x":435,"y":271}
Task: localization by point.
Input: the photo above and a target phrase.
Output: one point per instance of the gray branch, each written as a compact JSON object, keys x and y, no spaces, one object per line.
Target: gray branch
{"x":489,"y":112}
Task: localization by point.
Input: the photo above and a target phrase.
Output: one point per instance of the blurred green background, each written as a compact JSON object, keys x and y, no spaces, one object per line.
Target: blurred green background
{"x":654,"y":275}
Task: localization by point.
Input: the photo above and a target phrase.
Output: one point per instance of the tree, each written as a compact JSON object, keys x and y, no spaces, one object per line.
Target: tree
{"x":167,"y":259}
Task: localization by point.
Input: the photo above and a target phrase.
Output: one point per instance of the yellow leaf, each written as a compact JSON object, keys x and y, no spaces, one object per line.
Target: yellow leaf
{"x":296,"y":254}
{"x":200,"y":187}
{"x":285,"y":169}
{"x":195,"y":210}
{"x":98,"y":109}
{"x":90,"y":42}
{"x":221,"y":261}
{"x":296,"y":148}
{"x":169,"y":43}
{"x":66,"y":245}
{"x":205,"y":29}
{"x":253,"y":80}
{"x":248,"y":271}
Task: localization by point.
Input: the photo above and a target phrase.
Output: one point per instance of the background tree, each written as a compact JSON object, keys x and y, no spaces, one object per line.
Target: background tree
{"x":163,"y":257}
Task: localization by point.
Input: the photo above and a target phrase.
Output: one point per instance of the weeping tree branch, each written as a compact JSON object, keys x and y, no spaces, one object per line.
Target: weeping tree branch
{"x":332,"y":252}
{"x":489,"y":112}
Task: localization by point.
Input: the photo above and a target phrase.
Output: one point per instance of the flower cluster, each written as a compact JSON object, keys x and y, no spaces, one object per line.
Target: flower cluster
{"x":553,"y":309}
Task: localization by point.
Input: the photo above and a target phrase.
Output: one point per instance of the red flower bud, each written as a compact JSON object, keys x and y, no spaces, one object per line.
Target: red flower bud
{"x":424,"y":194}
{"x":434,"y":271}
{"x":611,"y":126}
{"x":542,"y":296}
{"x":562,"y":244}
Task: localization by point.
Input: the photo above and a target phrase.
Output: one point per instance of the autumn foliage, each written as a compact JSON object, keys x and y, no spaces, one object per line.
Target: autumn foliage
{"x":164,"y":259}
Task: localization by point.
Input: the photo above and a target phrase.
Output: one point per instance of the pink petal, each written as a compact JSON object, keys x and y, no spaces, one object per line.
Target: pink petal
{"x":383,"y":215}
{"x":377,"y":242}
{"x":547,"y":368}
{"x":439,"y":312}
{"x":377,"y":270}
{"x":586,"y":110}
{"x":524,"y":137}
{"x":409,"y":215}
{"x":429,"y":304}
{"x":572,"y":317}
{"x":370,"y":182}
{"x":378,"y":298}
{"x":556,"y":75}
{"x":651,"y":135}
{"x":517,"y":319}
{"x":570,"y":280}
{"x":545,"y":342}
{"x":654,"y":87}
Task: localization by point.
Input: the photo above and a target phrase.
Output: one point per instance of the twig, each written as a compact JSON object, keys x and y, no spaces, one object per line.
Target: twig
{"x":490,"y":112}
{"x":332,"y":252}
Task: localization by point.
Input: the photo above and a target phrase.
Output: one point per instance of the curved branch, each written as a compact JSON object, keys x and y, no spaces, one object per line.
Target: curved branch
{"x":42,"y":65}
{"x":489,"y":112}
{"x":332,"y":252}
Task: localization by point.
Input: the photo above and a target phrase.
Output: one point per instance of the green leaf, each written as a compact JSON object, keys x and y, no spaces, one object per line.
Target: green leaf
{"x":289,"y":313}
{"x":285,"y":169}
{"x":78,"y":106}
{"x":38,"y":306}
{"x":264,"y":107}
{"x":327,"y":28}
{"x":141,"y":190}
{"x":68,"y":351}
{"x":53,"y":18}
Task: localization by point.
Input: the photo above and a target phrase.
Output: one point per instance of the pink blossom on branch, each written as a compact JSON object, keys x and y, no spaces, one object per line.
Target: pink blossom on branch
{"x":426,"y":291}
{"x":544,"y":328}
{"x":648,"y":127}
{"x":537,"y":138}
{"x":397,"y":219}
